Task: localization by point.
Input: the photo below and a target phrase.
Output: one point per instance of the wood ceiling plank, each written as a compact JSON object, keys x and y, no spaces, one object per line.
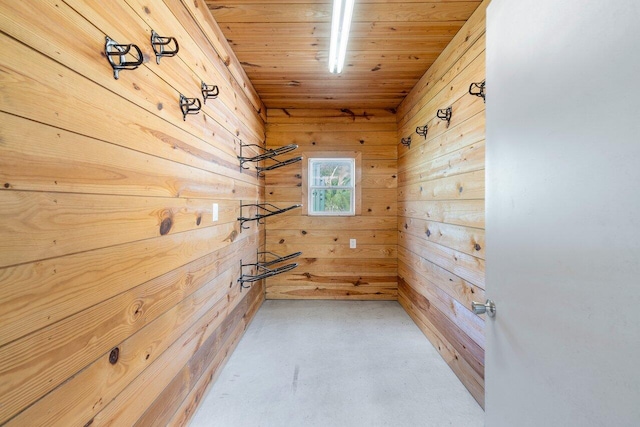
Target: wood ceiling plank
{"x":381,"y":75}
{"x":292,"y":104}
{"x":307,"y":46}
{"x":320,"y":94}
{"x":276,"y":85}
{"x":361,"y":64}
{"x":328,"y":113}
{"x":378,"y":29}
{"x":310,"y":12}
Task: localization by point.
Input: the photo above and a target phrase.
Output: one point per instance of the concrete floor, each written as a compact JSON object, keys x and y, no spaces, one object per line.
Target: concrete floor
{"x":336,"y":363}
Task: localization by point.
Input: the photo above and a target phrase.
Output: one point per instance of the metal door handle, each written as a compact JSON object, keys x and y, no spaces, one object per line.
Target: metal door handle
{"x":488,"y":307}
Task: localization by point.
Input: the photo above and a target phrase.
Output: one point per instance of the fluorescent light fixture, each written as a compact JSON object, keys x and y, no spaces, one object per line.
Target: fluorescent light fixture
{"x":340,"y":26}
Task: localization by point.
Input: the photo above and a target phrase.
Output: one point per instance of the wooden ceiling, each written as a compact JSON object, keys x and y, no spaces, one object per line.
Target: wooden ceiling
{"x":283,"y":46}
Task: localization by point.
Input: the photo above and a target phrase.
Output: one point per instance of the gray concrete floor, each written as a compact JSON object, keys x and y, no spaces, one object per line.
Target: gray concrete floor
{"x":336,"y":363}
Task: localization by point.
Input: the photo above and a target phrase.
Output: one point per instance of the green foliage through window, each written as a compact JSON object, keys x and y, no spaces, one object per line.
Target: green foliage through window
{"x":331,"y":188}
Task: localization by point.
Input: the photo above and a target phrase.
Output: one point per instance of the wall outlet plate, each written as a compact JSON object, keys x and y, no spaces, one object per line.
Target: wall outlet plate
{"x":352,"y":243}
{"x":215,"y":212}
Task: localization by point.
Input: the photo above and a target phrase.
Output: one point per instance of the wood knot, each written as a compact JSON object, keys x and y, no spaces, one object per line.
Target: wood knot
{"x":114,"y":355}
{"x":165,"y":225}
{"x":232,"y":236}
{"x":137,"y":309}
{"x":281,"y":241}
{"x":7,"y":185}
{"x":428,"y":233}
{"x":303,"y":232}
{"x":477,"y":247}
{"x":198,"y":220}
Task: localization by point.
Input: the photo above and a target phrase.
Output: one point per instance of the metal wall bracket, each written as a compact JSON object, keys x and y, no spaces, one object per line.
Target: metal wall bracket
{"x":117,"y":56}
{"x":263,"y":210}
{"x":268,"y":154}
{"x":278,"y":164}
{"x":422,"y":131}
{"x":406,"y":141}
{"x":209,"y":91}
{"x":160,"y":46}
{"x":445,"y":114}
{"x":265,"y":268}
{"x":477,"y":89}
{"x":189,"y":106}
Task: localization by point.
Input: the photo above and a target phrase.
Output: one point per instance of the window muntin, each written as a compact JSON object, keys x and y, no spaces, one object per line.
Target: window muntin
{"x":332,"y":186}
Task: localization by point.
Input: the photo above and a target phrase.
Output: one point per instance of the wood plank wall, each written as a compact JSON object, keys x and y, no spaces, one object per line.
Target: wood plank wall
{"x":328,"y":268}
{"x":441,"y":239}
{"x":119,"y":298}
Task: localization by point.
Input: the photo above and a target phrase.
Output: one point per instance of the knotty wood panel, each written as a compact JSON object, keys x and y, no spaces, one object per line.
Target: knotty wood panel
{"x":117,"y":283}
{"x":441,"y":205}
{"x":329,"y":269}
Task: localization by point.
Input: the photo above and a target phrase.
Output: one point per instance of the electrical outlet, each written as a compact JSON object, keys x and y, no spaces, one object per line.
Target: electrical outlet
{"x":215,"y":212}
{"x":352,"y":243}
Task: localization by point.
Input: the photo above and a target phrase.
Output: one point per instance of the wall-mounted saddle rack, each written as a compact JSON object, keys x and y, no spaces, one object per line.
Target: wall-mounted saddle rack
{"x":189,"y":106}
{"x":406,"y":141}
{"x":477,"y":89}
{"x":117,"y":56}
{"x":278,"y":164}
{"x":263,"y":210}
{"x":445,"y":114}
{"x":276,"y":258}
{"x":209,"y":91}
{"x":265,"y":269}
{"x":268,"y":154}
{"x":161,"y":46}
{"x":422,"y":131}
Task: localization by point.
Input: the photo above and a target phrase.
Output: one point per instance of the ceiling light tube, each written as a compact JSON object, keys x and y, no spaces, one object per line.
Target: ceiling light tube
{"x":340,"y":27}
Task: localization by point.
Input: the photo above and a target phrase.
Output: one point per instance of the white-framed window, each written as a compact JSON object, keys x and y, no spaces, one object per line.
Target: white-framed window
{"x":332,"y":186}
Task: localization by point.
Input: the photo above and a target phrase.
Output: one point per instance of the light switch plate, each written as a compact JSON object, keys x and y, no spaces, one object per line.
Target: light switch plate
{"x":352,"y":243}
{"x":215,"y":212}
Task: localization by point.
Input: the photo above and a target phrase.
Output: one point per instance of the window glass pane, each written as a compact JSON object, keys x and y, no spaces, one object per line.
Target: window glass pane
{"x":331,"y":200}
{"x":331,"y":173}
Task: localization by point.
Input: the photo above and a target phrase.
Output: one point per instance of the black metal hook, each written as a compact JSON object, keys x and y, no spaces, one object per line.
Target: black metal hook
{"x":117,"y":56}
{"x":209,"y":91}
{"x":406,"y":141}
{"x":445,"y":114}
{"x":159,"y":44}
{"x":422,"y":131}
{"x":477,"y":89}
{"x":189,"y":106}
